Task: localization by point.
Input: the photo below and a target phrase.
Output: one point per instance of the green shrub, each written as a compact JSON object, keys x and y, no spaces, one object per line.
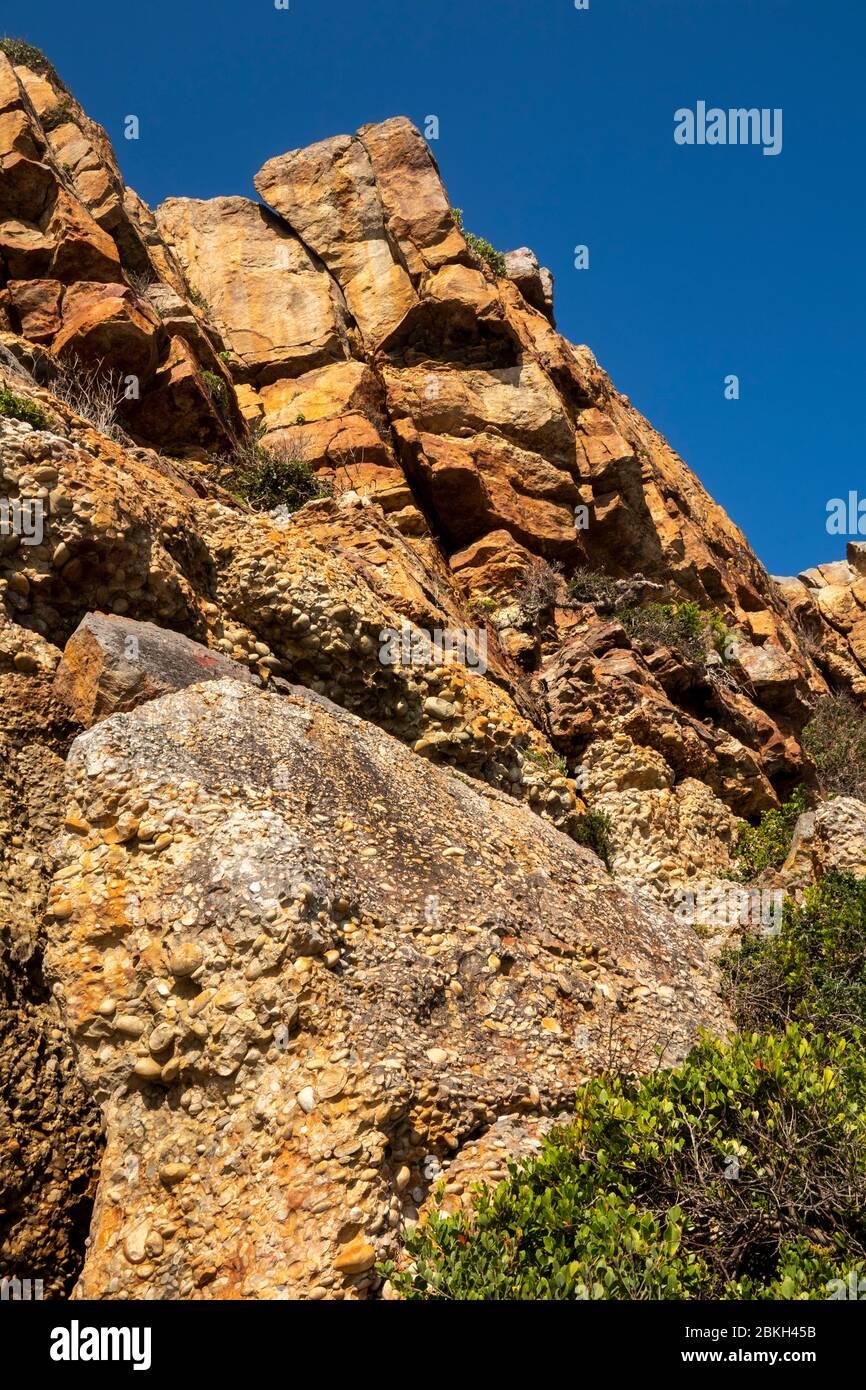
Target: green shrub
{"x":688,"y":628}
{"x":217,"y":388}
{"x":23,"y":54}
{"x":593,"y":831}
{"x":16,"y":407}
{"x":491,"y":257}
{"x":835,"y":740}
{"x":739,"y":1175}
{"x":268,"y":477}
{"x":766,"y":845}
{"x":813,"y":971}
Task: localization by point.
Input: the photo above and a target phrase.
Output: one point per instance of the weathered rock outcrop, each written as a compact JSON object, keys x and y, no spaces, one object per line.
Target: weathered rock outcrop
{"x":389,"y":953}
{"x":372,"y":960}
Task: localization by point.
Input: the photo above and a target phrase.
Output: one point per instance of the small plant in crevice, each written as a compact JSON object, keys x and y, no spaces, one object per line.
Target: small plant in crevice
{"x":540,"y":590}
{"x":492,"y":258}
{"x":593,"y":832}
{"x":16,"y":407}
{"x":271,"y":475}
{"x":93,"y":393}
{"x":218,"y":389}
{"x":591,"y":586}
{"x":690,"y":630}
{"x":766,"y":845}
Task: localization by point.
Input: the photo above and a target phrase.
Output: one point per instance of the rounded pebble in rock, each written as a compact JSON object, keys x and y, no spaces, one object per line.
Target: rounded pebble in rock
{"x":307,"y":1099}
{"x":185,"y":958}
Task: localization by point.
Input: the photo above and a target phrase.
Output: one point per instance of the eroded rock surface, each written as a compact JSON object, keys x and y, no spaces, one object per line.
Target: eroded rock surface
{"x":294,"y":958}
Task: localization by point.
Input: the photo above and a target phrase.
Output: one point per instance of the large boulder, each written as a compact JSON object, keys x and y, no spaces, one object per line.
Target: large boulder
{"x":299,"y":964}
{"x":111,"y":664}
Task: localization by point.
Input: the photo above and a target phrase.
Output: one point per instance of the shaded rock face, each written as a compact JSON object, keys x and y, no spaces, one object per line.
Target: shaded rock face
{"x":49,"y":1127}
{"x":373,"y":960}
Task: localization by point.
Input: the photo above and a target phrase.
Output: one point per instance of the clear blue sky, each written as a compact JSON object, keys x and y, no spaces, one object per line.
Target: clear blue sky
{"x":557,"y":129}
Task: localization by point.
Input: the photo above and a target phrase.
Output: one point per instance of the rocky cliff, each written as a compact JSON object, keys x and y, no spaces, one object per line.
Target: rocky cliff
{"x":291,"y":924}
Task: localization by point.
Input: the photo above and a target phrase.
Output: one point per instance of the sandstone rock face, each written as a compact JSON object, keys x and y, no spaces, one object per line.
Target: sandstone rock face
{"x":374,"y":960}
{"x":111,"y":664}
{"x":272,"y":304}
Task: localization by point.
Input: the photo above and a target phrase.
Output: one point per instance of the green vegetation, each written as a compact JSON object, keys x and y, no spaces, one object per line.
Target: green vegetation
{"x":60,"y":114}
{"x":550,"y":762}
{"x":739,"y":1175}
{"x":23,"y":54}
{"x":197,"y":298}
{"x":217,"y":388}
{"x":766,"y":845}
{"x":815,"y":969}
{"x":16,"y":407}
{"x":487,"y":253}
{"x":835,"y":740}
{"x":593,"y":831}
{"x":688,"y":628}
{"x":268,"y":477}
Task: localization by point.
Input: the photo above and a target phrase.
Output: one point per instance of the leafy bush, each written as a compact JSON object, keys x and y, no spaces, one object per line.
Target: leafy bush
{"x":813,"y":971}
{"x":835,"y":740}
{"x":271,"y":476}
{"x":491,"y":257}
{"x":593,"y":831}
{"x":740,"y":1175}
{"x":689,"y":629}
{"x":16,"y":407}
{"x":766,"y":845}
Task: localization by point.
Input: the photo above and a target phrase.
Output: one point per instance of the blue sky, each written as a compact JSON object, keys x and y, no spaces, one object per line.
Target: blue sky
{"x":556,"y":129}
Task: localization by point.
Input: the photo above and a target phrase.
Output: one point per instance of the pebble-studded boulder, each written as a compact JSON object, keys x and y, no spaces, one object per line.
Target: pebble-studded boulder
{"x":299,"y":964}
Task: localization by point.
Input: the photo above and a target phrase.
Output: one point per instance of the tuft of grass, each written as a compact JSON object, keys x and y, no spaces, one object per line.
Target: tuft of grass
{"x":16,"y":407}
{"x":487,"y":253}
{"x":271,"y":476}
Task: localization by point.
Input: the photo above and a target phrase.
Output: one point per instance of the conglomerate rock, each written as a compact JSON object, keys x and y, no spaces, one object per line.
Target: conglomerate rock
{"x":295,"y":959}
